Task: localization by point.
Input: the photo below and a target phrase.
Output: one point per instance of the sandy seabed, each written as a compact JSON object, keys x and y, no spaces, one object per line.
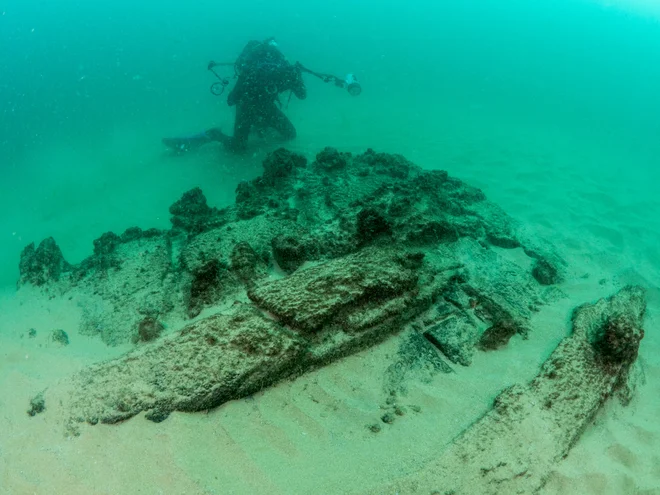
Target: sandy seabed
{"x":310,"y":435}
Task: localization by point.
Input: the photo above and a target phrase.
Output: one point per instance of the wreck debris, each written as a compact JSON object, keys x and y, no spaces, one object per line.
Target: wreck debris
{"x":494,"y":455}
{"x":369,"y":245}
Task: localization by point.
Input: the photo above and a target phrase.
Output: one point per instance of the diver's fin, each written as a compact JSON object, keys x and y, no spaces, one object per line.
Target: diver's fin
{"x":190,"y":143}
{"x":185,"y":144}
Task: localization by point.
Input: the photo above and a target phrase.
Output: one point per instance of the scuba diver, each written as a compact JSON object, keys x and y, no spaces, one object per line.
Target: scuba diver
{"x":262,"y":74}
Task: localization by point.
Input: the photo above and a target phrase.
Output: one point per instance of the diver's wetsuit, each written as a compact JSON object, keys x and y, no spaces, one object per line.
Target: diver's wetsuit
{"x":263,"y":73}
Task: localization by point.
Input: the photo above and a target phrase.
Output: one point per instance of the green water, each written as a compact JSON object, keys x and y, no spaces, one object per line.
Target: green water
{"x":550,"y":106}
{"x":557,"y":97}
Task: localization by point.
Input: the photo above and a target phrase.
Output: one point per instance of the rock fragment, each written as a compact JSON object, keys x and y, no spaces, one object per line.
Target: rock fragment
{"x":43,"y":264}
{"x":207,"y":363}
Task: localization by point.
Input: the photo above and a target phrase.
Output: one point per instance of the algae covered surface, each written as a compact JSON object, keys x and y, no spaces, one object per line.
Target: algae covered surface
{"x":413,"y":254}
{"x":411,"y":248}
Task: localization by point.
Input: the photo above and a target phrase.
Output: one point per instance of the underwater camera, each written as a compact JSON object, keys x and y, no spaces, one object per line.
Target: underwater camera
{"x":352,"y":85}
